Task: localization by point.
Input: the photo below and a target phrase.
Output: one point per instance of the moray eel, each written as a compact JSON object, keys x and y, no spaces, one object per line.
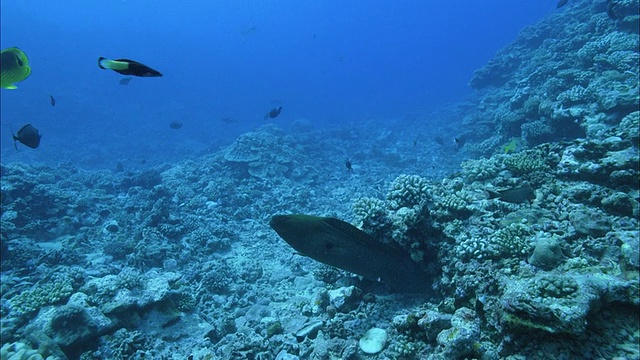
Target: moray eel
{"x":340,"y":244}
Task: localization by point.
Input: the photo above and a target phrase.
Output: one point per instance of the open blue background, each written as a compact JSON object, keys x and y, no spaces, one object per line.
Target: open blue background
{"x":326,"y":61}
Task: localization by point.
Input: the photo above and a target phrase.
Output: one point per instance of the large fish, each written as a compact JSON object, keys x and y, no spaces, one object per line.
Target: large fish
{"x":127,"y":67}
{"x":27,"y":135}
{"x":340,"y":244}
{"x":522,"y":194}
{"x":14,"y":66}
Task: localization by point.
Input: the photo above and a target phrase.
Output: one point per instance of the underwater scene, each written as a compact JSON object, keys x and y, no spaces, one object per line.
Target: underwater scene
{"x":320,"y":180}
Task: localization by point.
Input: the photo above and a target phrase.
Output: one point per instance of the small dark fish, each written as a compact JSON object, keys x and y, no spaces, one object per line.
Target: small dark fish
{"x":248,"y":31}
{"x":439,"y":140}
{"x":348,"y":165}
{"x":458,"y":143}
{"x":127,"y":67}
{"x":52,"y":100}
{"x":561,"y":3}
{"x":125,"y":81}
{"x":175,"y":125}
{"x":273,"y":113}
{"x":522,"y":194}
{"x":27,"y":135}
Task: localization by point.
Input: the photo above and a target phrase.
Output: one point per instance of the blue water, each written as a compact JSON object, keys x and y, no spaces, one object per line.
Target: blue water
{"x":331,"y":62}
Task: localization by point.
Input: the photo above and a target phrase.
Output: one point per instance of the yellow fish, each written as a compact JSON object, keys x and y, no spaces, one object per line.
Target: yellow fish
{"x":511,"y":146}
{"x":14,"y":67}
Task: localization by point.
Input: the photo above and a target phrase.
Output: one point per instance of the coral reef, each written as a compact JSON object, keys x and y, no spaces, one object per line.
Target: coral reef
{"x":178,"y":261}
{"x":573,"y":74}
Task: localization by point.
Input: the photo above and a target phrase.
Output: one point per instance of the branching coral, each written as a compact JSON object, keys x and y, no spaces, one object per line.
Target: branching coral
{"x":508,"y":242}
{"x":407,"y":191}
{"x":371,"y":214}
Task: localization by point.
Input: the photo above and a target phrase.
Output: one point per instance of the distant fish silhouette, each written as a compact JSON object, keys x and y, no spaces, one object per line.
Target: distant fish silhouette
{"x":248,"y":31}
{"x":561,"y":3}
{"x":348,"y":165}
{"x":52,"y":100}
{"x":27,"y":135}
{"x":175,"y":125}
{"x":125,"y":81}
{"x":458,"y":143}
{"x":273,"y":113}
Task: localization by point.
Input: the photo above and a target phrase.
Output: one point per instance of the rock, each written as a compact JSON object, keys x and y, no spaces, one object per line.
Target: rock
{"x":547,"y":253}
{"x":618,"y":204}
{"x":560,"y":304}
{"x":345,"y":299}
{"x":458,"y":341}
{"x":433,"y":322}
{"x":310,"y":329}
{"x":590,"y":222}
{"x":624,"y":178}
{"x":155,"y":288}
{"x":110,"y":227}
{"x":373,"y":341}
{"x":73,"y":325}
{"x":630,"y":249}
{"x":284,"y":355}
{"x":294,"y":323}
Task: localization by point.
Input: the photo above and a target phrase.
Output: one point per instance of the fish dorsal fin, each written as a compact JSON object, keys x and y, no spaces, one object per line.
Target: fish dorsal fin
{"x":360,"y":236}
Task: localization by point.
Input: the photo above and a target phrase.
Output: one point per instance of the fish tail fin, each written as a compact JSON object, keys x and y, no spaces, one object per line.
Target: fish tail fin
{"x":15,"y":139}
{"x":103,"y":63}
